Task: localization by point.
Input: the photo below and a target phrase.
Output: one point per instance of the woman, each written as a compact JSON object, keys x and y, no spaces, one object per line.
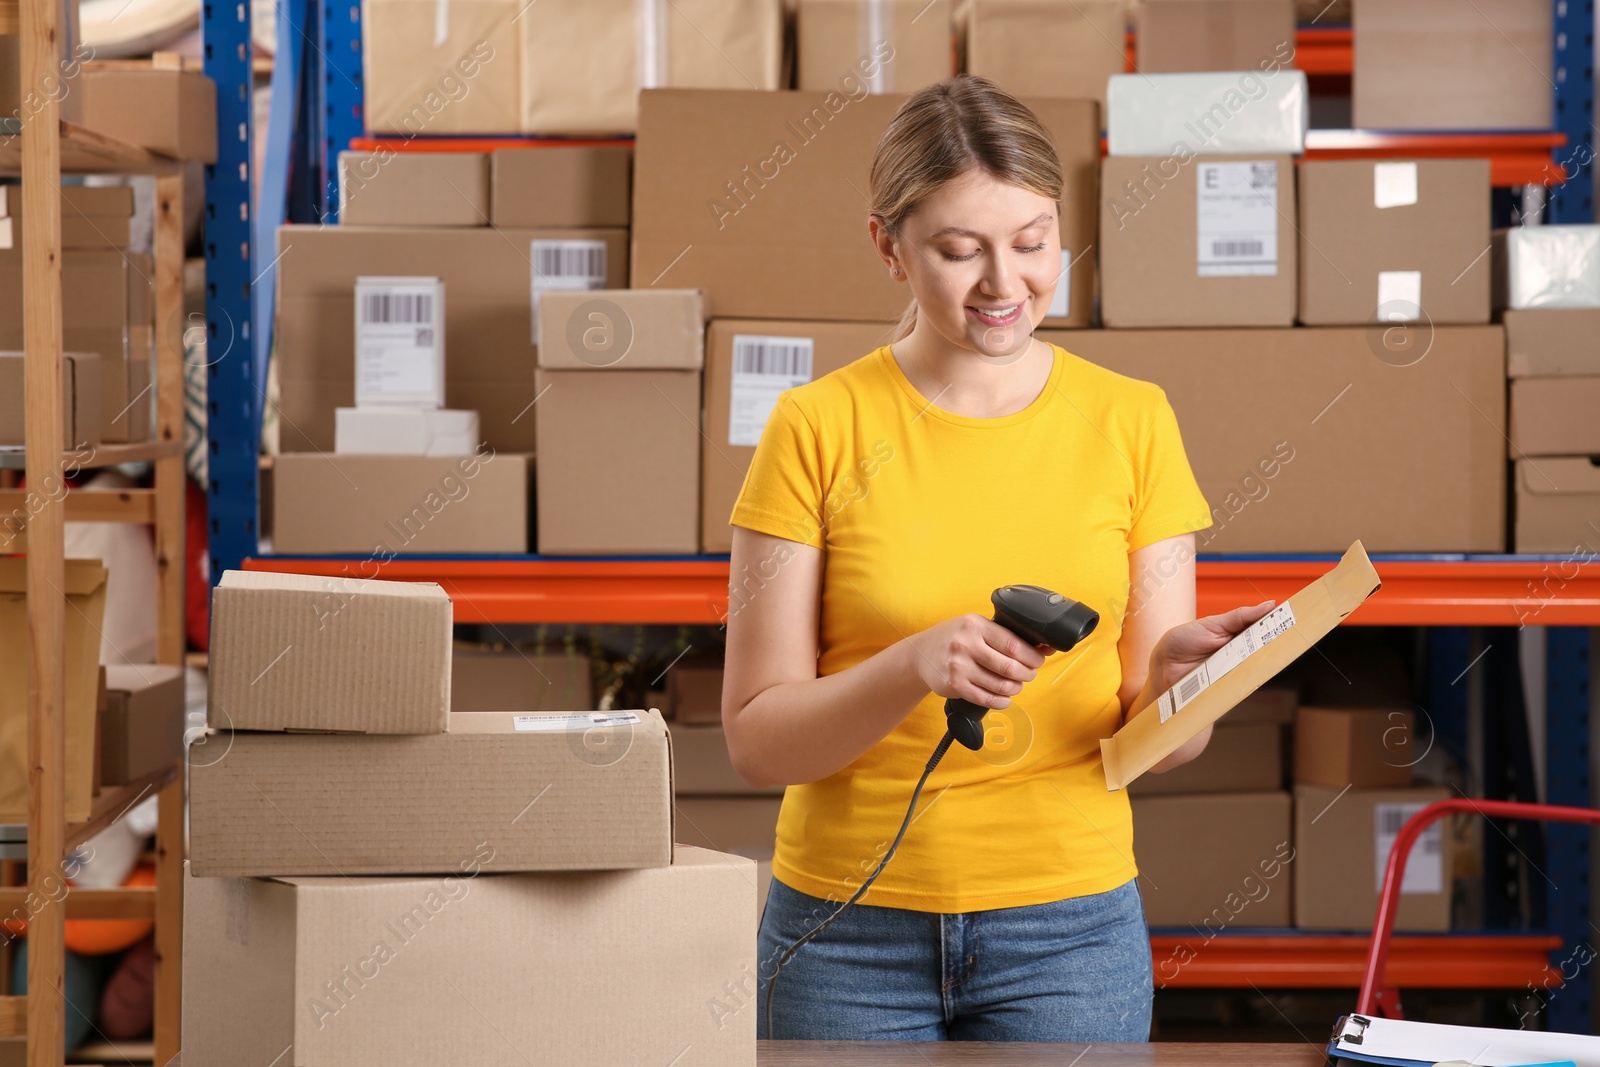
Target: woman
{"x":885,"y":501}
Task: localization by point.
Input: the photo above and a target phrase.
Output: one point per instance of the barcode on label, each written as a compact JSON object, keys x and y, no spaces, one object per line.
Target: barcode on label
{"x":1234,"y":249}
{"x":397,"y":308}
{"x":1425,"y":871}
{"x":1188,"y":689}
{"x":570,"y":259}
{"x":773,"y":355}
{"x":1390,"y":819}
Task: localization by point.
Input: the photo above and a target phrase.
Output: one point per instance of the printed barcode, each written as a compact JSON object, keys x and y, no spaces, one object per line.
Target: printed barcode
{"x":1391,"y":819}
{"x":569,"y":260}
{"x":771,"y":355}
{"x":397,"y":307}
{"x":1188,"y":689}
{"x":1237,"y":248}
{"x":1263,"y":176}
{"x":1428,"y":843}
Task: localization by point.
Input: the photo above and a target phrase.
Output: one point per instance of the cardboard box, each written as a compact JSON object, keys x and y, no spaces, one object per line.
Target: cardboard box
{"x":746,"y":826}
{"x":1342,"y":844}
{"x":549,"y":791}
{"x":519,"y":679}
{"x":1368,"y":748}
{"x":694,"y":689}
{"x":1552,"y":342}
{"x":1217,"y":862}
{"x":92,"y":217}
{"x":488,"y":274}
{"x":1303,"y":440}
{"x":1394,"y":239}
{"x":171,"y":112}
{"x":85,"y":592}
{"x":619,"y":387}
{"x":559,"y":184}
{"x":80,"y":400}
{"x":141,"y":399}
{"x":1205,"y":694}
{"x":701,"y":765}
{"x":1242,"y":758}
{"x":142,"y":727}
{"x":1178,"y":116}
{"x":1208,"y":243}
{"x":787,"y":240}
{"x":891,"y":46}
{"x":1195,"y":35}
{"x":438,"y":70}
{"x":1046,"y":48}
{"x":1558,"y":505}
{"x":401,"y":505}
{"x":1555,"y":417}
{"x":397,"y":432}
{"x":1440,"y":65}
{"x":1270,"y":703}
{"x":772,"y":356}
{"x":1547,"y":267}
{"x":300,"y":652}
{"x":413,"y":188}
{"x":476,"y":967}
{"x":612,"y":49}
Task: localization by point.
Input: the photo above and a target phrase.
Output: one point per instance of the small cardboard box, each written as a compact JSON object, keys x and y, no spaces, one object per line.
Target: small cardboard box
{"x":1558,"y":505}
{"x":560,"y":184}
{"x":142,"y":727}
{"x":1270,"y":703}
{"x":1046,"y":48}
{"x":1552,"y":342}
{"x":896,"y":46}
{"x":747,"y":826}
{"x":432,"y":70}
{"x":413,"y":188}
{"x":476,"y":967}
{"x":328,"y":654}
{"x":619,"y":428}
{"x":548,"y":791}
{"x":80,"y":400}
{"x":405,"y":432}
{"x":92,"y":217}
{"x":1555,"y":416}
{"x":1216,"y":862}
{"x":1208,"y":243}
{"x":1368,"y":748}
{"x":701,"y":766}
{"x":1233,"y":35}
{"x":1394,"y":239}
{"x":694,"y":688}
{"x":519,"y":679}
{"x":1240,"y":758}
{"x":1206,"y":693}
{"x":172,"y":112}
{"x":1342,"y":840}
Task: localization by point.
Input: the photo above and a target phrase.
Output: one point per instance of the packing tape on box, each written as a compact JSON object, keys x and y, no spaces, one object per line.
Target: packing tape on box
{"x":872,"y":29}
{"x":441,"y":22}
{"x":650,"y":42}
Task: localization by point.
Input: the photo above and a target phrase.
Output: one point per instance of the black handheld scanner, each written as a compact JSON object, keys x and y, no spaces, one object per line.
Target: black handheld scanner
{"x":1039,"y":617}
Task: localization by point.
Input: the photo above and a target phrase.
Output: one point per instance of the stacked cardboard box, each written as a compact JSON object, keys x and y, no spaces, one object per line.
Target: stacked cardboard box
{"x":1194,"y":35}
{"x":889,"y":46}
{"x":1063,"y":48}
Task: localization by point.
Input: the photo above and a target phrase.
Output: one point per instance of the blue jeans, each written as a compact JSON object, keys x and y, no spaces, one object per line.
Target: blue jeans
{"x":1073,"y":970}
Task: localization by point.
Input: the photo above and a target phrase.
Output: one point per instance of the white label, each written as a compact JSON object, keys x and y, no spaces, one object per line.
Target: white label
{"x":763,"y":367}
{"x":1061,"y":303}
{"x":1394,"y":184}
{"x":1237,"y":219}
{"x":1425,"y":864}
{"x":1270,"y":626}
{"x":575,"y":721}
{"x":399,"y":357}
{"x":1400,"y":295}
{"x":565,"y":267}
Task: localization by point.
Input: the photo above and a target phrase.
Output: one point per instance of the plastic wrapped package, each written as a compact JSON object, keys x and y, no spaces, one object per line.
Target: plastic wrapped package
{"x":1211,"y":113}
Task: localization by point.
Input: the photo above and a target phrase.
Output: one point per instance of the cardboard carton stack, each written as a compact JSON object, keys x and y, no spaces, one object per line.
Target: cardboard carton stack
{"x":355,"y":843}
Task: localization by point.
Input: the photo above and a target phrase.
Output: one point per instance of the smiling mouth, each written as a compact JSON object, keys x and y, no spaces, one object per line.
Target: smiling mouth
{"x":998,"y":316}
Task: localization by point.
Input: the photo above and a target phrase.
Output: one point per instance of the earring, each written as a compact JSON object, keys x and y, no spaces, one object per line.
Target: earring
{"x":894,"y":272}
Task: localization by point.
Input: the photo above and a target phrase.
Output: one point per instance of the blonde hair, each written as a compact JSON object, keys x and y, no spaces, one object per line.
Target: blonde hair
{"x":943,"y":131}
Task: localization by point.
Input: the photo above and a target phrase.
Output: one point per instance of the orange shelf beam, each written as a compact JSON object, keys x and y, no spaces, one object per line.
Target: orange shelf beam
{"x":1515,"y":158}
{"x":1318,"y":50}
{"x":695,"y":590}
{"x":1461,"y":961}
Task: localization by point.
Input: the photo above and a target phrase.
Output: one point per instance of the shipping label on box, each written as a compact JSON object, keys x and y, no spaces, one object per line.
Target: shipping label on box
{"x":1425,"y":864}
{"x":399,"y":342}
{"x":565,"y":266}
{"x":1237,"y":218}
{"x":763,"y":367}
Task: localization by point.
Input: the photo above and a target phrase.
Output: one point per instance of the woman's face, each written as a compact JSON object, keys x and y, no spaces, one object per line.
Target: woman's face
{"x":982,"y":258}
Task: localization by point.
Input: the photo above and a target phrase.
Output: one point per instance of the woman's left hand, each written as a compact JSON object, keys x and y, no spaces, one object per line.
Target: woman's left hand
{"x":1183,"y":648}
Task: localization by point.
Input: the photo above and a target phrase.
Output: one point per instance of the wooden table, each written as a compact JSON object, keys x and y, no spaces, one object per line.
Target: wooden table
{"x":1015,"y":1054}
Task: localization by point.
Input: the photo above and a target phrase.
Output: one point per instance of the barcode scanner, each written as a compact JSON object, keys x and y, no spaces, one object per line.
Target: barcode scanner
{"x":1034,"y":614}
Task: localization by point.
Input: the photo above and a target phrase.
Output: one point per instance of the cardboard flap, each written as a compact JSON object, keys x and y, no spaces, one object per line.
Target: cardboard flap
{"x":84,"y":576}
{"x":1559,"y":475}
{"x":321,"y":583}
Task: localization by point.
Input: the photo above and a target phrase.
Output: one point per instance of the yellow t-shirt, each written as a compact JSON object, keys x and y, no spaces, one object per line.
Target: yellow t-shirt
{"x":921,"y":513}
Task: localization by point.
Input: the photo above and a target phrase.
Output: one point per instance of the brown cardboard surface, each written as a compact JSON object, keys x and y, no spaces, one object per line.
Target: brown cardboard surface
{"x":722,"y":463}
{"x":92,"y":217}
{"x":1304,"y":440}
{"x":1183,"y":35}
{"x":898,"y":48}
{"x":519,"y":679}
{"x":1347,"y":242}
{"x":300,"y":652}
{"x":349,"y":972}
{"x":619,"y":330}
{"x":1306,"y":617}
{"x":1240,"y":758}
{"x":80,"y":399}
{"x":755,"y":198}
{"x":86,"y":601}
{"x":77,"y":231}
{"x":1558,"y":505}
{"x":1336,"y":864}
{"x":141,"y":399}
{"x":144,"y":721}
{"x":701,"y":766}
{"x":489,"y":352}
{"x":1064,"y":48}
{"x":1552,"y":342}
{"x":1440,"y":65}
{"x":173,"y":112}
{"x":586,"y":797}
{"x":694,"y":689}
{"x":1555,"y":416}
{"x":557,"y":184}
{"x":1148,"y":267}
{"x":413,"y":189}
{"x":417,"y":84}
{"x":1270,"y":703}
{"x":1368,"y":748}
{"x":1211,"y":863}
{"x":743,"y":825}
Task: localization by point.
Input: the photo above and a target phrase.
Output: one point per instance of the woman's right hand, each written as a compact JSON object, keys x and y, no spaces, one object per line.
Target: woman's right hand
{"x":976,"y":659}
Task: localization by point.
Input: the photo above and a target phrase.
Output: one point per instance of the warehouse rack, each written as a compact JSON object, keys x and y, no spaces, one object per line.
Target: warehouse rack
{"x":42,"y":151}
